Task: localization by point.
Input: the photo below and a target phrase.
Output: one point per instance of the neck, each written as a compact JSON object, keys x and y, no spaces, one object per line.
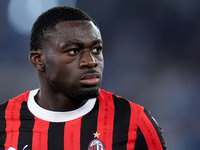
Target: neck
{"x":57,"y":101}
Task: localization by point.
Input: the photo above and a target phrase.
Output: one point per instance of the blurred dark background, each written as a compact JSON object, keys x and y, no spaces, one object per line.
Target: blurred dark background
{"x":151,"y":51}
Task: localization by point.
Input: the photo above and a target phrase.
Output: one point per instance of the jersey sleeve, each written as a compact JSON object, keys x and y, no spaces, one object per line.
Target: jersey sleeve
{"x":149,"y":133}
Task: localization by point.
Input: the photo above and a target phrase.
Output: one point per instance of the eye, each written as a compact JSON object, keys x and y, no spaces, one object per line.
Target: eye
{"x":97,"y":50}
{"x":73,"y":52}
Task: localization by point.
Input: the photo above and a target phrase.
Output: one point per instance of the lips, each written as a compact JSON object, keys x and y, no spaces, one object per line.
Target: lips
{"x":90,"y":79}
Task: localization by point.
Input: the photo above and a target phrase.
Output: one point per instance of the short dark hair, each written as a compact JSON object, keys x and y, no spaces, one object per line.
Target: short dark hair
{"x":48,"y":20}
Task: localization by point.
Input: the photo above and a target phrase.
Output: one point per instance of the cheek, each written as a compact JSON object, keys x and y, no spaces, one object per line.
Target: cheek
{"x":68,"y":60}
{"x":101,"y":62}
{"x":65,"y":70}
{"x":102,"y":68}
{"x":59,"y":62}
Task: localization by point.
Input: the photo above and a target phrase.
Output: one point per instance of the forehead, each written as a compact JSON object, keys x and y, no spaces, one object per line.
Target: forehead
{"x":76,"y":30}
{"x":84,"y":32}
{"x":75,"y":25}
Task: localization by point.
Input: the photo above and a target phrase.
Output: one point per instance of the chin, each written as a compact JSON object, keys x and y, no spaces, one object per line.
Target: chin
{"x":87,"y":93}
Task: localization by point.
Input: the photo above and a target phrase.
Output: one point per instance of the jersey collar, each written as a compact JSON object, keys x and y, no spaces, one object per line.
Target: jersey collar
{"x":56,"y":116}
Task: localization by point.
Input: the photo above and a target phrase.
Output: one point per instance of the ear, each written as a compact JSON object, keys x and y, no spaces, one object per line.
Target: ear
{"x":37,"y":60}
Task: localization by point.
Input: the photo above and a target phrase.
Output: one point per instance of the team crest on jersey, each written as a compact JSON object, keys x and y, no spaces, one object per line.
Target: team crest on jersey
{"x":96,"y":144}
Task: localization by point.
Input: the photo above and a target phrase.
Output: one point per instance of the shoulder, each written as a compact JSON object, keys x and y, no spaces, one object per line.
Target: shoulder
{"x":140,"y":119}
{"x":120,"y":101}
{"x":16,"y":100}
{"x":136,"y":111}
{"x":20,"y":98}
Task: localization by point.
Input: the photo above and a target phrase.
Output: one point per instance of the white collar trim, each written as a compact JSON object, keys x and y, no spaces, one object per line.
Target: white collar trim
{"x":56,"y":116}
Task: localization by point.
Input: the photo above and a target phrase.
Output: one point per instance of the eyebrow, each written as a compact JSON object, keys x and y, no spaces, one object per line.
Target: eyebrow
{"x":97,"y":42}
{"x":80,"y":44}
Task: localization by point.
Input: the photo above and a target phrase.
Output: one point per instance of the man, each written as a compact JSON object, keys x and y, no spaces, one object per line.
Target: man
{"x":69,"y":111}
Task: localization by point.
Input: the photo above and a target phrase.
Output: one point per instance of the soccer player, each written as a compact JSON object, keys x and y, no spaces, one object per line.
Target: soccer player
{"x":69,"y":111}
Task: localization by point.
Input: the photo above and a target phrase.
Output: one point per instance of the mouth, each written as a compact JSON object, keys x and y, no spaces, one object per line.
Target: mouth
{"x":90,"y":79}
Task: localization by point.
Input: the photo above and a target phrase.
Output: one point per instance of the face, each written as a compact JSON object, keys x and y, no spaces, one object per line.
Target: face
{"x":73,"y":59}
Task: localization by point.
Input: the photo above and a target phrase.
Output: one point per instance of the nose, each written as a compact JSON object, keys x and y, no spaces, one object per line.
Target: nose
{"x":87,"y":60}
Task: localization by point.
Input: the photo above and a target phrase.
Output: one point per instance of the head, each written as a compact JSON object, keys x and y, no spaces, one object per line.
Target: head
{"x":66,"y":50}
{"x":47,"y":21}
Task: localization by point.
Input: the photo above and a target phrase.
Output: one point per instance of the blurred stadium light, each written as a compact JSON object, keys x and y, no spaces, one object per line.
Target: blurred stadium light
{"x":22,"y":19}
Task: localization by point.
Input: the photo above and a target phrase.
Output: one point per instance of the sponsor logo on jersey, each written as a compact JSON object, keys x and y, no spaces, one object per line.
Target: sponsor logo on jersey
{"x":11,"y":148}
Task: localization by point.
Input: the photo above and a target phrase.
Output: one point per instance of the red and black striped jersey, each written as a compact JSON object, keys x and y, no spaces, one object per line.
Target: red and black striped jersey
{"x":106,"y":123}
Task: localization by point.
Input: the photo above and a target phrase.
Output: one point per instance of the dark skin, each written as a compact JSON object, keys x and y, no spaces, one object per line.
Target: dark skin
{"x":69,"y":65}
